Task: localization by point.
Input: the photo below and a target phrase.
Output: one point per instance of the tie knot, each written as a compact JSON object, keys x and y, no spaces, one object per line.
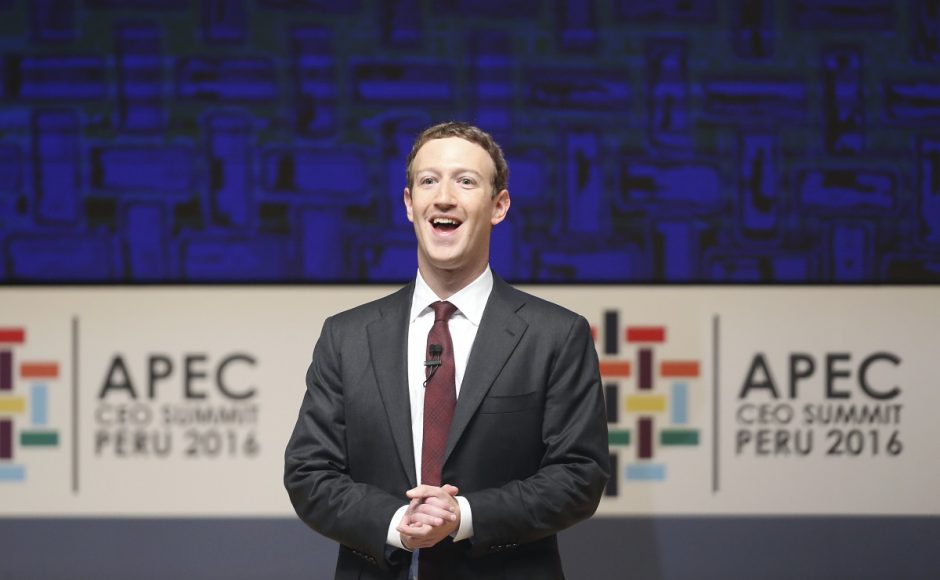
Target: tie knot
{"x":443,"y":310}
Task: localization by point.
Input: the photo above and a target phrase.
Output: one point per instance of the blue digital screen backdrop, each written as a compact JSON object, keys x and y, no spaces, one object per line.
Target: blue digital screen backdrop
{"x":649,"y":141}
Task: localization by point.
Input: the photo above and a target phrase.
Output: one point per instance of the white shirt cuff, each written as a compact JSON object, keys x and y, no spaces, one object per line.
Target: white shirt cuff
{"x":465,"y":530}
{"x":394,"y":537}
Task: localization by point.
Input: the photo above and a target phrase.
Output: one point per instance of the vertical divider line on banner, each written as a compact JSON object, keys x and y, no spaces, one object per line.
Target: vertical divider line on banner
{"x":715,"y":414}
{"x":75,"y":405}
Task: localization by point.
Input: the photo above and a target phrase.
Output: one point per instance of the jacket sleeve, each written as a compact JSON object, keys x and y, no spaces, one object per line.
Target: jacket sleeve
{"x":316,"y":472}
{"x":574,"y":468}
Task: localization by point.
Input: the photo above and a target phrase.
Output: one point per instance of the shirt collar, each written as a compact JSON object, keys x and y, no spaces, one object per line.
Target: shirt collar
{"x":469,"y":300}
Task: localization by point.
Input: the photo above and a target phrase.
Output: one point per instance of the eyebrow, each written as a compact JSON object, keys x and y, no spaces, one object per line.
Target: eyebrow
{"x":456,"y":170}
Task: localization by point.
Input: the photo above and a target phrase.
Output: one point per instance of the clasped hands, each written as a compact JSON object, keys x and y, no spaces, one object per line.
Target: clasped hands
{"x":433,"y":514}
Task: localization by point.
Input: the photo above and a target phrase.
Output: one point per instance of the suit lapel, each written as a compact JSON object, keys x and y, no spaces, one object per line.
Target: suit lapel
{"x":388,"y":343}
{"x":499,"y":333}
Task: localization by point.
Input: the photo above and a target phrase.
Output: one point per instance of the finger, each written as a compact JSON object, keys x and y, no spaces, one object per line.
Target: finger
{"x":451,"y":489}
{"x":412,"y":505}
{"x":428,"y":520}
{"x":422,"y":541}
{"x":424,"y":538}
{"x":415,"y":530}
{"x":423,"y":491}
{"x":439,"y":515}
{"x":420,"y":544}
{"x":408,"y":522}
{"x":438,"y":507}
{"x":441,"y":500}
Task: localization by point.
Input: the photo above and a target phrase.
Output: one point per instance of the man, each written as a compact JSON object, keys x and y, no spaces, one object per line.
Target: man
{"x":451,"y":429}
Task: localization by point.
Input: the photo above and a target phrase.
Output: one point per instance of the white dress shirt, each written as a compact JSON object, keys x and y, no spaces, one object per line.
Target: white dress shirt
{"x":470,"y":302}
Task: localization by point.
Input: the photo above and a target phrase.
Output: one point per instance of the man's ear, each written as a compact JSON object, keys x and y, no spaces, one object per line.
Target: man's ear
{"x":408,"y":211}
{"x":500,"y":207}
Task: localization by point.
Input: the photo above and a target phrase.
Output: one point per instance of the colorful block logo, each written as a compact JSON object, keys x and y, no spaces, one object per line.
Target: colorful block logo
{"x":24,"y":405}
{"x":647,"y":399}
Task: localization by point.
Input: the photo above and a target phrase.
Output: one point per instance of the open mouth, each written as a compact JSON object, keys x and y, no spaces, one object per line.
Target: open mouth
{"x":445,"y":224}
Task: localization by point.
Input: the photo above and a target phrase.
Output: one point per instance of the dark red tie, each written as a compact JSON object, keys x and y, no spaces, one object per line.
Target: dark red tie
{"x":440,"y":394}
{"x":440,"y":397}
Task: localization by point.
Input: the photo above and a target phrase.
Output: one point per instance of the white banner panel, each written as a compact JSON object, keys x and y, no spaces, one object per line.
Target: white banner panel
{"x":742,"y":400}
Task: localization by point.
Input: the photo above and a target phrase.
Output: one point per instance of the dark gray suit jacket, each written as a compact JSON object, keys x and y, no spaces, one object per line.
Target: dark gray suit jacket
{"x":527,"y":446}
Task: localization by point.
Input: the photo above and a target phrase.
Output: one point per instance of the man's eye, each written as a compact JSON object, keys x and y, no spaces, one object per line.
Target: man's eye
{"x":426,"y":180}
{"x":466,"y":181}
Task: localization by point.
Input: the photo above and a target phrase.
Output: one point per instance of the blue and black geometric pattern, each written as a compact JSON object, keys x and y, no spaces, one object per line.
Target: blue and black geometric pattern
{"x":674,"y":141}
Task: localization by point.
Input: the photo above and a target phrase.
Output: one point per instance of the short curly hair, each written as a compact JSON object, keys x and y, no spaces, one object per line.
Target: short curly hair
{"x":469,"y":133}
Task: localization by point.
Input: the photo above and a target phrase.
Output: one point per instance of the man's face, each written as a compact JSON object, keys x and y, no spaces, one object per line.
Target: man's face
{"x":451,"y":204}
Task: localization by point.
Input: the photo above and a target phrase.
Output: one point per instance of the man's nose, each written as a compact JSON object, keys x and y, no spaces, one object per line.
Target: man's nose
{"x":444,"y":196}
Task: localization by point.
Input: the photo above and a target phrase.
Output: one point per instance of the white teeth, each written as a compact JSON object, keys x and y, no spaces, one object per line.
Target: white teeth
{"x":444,"y":221}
